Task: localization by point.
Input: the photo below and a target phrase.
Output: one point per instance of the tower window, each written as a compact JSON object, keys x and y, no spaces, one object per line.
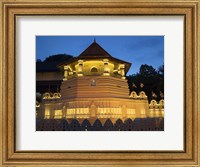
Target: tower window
{"x":94,"y":69}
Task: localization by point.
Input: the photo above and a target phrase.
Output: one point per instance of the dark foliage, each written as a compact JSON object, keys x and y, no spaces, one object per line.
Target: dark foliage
{"x":50,"y":63}
{"x":58,"y":58}
{"x":148,"y":80}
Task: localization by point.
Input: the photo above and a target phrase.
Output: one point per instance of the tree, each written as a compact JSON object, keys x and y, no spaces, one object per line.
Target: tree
{"x":151,"y":80}
{"x":58,"y":58}
{"x":147,"y":71}
{"x":38,"y":60}
{"x":161,"y":70}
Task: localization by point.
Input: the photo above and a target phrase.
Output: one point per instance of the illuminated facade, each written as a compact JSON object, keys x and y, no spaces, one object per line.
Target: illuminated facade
{"x":95,"y":87}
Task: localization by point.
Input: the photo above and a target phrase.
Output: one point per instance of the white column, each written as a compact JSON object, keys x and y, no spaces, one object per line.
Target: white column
{"x":122,"y":71}
{"x":80,"y":68}
{"x":66,"y":73}
{"x":106,"y":68}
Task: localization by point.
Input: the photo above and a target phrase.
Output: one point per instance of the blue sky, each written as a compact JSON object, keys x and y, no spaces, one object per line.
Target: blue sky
{"x":137,"y":50}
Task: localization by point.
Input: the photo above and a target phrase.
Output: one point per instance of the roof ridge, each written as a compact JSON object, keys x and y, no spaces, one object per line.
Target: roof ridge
{"x":94,"y":50}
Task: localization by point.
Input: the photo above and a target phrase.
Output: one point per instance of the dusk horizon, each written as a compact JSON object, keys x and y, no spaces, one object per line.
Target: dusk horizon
{"x":137,"y":50}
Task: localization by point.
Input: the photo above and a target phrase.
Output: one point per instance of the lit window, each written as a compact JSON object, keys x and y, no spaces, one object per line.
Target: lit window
{"x":47,"y":114}
{"x":94,"y":69}
{"x":58,"y":114}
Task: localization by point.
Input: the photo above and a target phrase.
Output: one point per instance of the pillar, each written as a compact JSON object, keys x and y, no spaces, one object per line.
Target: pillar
{"x":80,"y":68}
{"x":124,"y":112}
{"x":66,"y":73}
{"x":64,"y":112}
{"x":122,"y":71}
{"x":106,"y":68}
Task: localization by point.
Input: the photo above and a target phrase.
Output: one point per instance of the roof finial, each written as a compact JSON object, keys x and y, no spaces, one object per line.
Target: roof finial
{"x":94,"y":40}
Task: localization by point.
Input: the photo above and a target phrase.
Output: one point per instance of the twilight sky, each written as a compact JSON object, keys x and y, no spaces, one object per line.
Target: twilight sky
{"x":137,"y":50}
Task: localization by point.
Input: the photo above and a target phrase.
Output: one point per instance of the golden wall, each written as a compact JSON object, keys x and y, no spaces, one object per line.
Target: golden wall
{"x":94,"y":86}
{"x":97,"y":90}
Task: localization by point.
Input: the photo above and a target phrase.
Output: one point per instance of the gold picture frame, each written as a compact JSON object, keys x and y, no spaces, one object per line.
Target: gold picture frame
{"x":12,"y":8}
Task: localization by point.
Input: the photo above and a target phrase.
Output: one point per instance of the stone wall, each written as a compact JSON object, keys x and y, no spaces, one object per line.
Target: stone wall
{"x":143,"y":124}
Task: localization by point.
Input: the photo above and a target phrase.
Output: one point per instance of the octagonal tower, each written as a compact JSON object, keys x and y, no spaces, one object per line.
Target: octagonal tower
{"x":95,"y":87}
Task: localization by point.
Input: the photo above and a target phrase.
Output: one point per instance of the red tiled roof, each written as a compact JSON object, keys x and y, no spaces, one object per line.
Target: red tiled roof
{"x":94,"y":50}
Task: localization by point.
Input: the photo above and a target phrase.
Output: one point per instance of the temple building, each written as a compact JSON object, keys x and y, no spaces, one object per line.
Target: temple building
{"x":94,"y":87}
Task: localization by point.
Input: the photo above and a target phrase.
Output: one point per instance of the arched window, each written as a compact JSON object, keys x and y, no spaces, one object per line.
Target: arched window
{"x":58,"y":114}
{"x":94,"y":69}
